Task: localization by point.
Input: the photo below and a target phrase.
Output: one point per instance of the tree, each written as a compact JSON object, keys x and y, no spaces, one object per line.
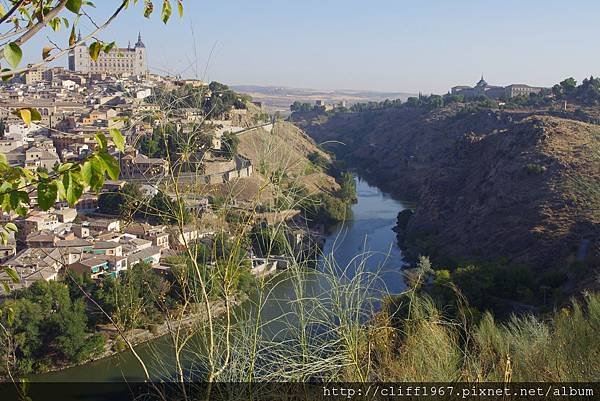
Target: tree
{"x":325,"y":208}
{"x":230,"y":144}
{"x":125,"y":201}
{"x":301,"y":107}
{"x":21,"y":339}
{"x":269,"y":241}
{"x":568,"y":85}
{"x":166,"y":210}
{"x":45,"y":323}
{"x":435,"y":101}
{"x":347,"y":190}
{"x":134,"y":297}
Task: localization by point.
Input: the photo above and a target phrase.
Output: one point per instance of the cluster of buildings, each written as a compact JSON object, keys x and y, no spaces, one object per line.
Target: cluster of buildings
{"x":322,"y":105}
{"x":75,"y":104}
{"x":482,"y":88}
{"x":61,"y":240}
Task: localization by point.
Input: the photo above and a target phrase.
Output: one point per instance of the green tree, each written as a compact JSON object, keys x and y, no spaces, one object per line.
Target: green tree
{"x":301,"y":107}
{"x":269,"y":241}
{"x":347,"y":190}
{"x":125,"y":201}
{"x":46,"y":324}
{"x":134,"y":298}
{"x":162,"y":208}
{"x":230,"y":143}
{"x":22,"y":338}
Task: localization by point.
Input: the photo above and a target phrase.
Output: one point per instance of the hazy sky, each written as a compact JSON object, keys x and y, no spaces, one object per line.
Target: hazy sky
{"x":388,"y":45}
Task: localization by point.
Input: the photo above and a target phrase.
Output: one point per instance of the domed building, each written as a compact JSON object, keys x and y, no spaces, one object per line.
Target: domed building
{"x":482,"y":88}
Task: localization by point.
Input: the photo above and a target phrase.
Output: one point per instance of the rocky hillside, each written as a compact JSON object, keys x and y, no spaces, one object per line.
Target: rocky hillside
{"x":519,"y":186}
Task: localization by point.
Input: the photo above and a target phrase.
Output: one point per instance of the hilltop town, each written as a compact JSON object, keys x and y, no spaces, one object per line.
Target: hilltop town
{"x":118,"y":92}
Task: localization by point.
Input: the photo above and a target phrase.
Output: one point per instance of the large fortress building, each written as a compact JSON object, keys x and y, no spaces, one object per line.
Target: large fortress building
{"x":482,"y":88}
{"x":126,"y":61}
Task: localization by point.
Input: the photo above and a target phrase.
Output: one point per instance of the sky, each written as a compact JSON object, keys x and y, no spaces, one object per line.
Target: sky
{"x":384,"y":45}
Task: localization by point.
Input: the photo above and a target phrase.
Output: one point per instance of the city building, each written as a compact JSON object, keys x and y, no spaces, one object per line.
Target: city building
{"x":482,"y":88}
{"x":119,"y":61}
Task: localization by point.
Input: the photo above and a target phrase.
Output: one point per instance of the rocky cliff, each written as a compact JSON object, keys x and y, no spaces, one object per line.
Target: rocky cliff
{"x":520,"y":186}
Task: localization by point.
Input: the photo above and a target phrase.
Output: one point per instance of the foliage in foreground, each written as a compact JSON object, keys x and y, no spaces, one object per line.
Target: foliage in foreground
{"x":423,"y":344}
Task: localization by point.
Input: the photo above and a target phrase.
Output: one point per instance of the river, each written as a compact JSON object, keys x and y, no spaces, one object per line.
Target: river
{"x":368,"y":232}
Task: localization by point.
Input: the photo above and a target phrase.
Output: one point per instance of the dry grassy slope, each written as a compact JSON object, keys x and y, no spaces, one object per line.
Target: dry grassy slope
{"x":286,"y":148}
{"x":489,"y":184}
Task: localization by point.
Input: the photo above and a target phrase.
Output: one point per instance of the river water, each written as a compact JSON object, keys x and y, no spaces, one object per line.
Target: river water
{"x":368,"y":232}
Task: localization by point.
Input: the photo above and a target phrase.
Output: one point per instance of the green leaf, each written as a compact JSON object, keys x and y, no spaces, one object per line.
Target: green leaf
{"x":101,"y":140}
{"x":22,"y":211}
{"x":64,"y":167}
{"x":118,"y":139}
{"x":11,"y":227}
{"x":149,"y":7}
{"x":13,"y":54}
{"x":35,"y":115}
{"x":92,"y":173}
{"x":28,"y":115}
{"x":94,"y":50}
{"x":72,"y":37}
{"x":12,"y":273}
{"x":180,"y":7}
{"x":6,"y":287}
{"x":74,"y":5}
{"x":10,"y":313}
{"x":73,"y":187}
{"x":3,"y":237}
{"x":110,"y":164}
{"x":47,"y":192}
{"x":55,"y":24}
{"x":6,"y":77}
{"x":166,"y":11}
{"x":108,"y":47}
{"x":14,"y":200}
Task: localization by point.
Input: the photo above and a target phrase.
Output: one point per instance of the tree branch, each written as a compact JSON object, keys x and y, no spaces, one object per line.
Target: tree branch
{"x":12,"y":11}
{"x":37,"y":27}
{"x":66,"y":50}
